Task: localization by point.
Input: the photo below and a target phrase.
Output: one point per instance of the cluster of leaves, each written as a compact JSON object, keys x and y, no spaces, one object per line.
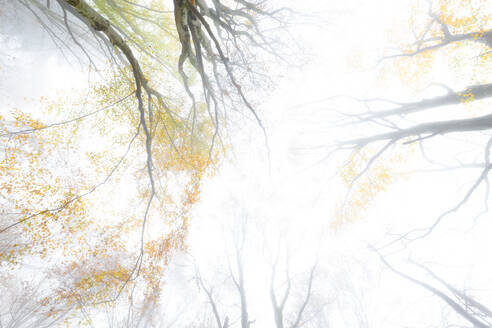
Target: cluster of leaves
{"x":446,"y":35}
{"x":103,"y":196}
{"x":39,"y":204}
{"x":461,"y":27}
{"x":72,"y":191}
{"x":364,"y":183}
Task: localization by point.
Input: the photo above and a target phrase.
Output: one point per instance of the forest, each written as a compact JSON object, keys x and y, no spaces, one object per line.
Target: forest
{"x":245,"y":163}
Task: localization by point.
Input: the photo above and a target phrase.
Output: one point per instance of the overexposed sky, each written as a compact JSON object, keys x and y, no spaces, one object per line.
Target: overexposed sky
{"x":292,"y":193}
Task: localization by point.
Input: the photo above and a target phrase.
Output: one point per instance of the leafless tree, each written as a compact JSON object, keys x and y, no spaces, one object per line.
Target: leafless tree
{"x":28,"y":305}
{"x":292,"y":317}
{"x":236,"y":279}
{"x":476,"y":313}
{"x":221,"y":321}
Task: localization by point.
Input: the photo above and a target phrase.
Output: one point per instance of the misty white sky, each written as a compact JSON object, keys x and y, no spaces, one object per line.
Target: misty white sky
{"x":294,"y":191}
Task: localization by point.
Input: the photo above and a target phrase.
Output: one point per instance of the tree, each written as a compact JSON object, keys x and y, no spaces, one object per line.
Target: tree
{"x":464,"y":305}
{"x":25,"y":304}
{"x":99,"y":187}
{"x":278,"y":304}
{"x":290,"y":298}
{"x":446,"y":34}
{"x":450,"y":128}
{"x":235,"y":277}
{"x":166,"y":83}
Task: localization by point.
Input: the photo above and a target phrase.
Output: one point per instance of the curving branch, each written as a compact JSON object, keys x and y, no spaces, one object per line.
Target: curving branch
{"x":470,"y":94}
{"x":480,"y":123}
{"x":477,"y":322}
{"x":424,"y":44}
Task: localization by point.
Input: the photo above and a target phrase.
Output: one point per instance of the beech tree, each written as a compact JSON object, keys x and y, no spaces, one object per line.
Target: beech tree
{"x":166,"y":77}
{"x":279,"y":298}
{"x":447,"y":34}
{"x":449,"y":127}
{"x":465,"y":306}
{"x":99,"y":186}
{"x":229,"y":289}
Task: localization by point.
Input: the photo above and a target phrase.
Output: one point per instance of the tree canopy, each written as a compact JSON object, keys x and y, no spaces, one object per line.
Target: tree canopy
{"x":105,"y":192}
{"x":242,"y":163}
